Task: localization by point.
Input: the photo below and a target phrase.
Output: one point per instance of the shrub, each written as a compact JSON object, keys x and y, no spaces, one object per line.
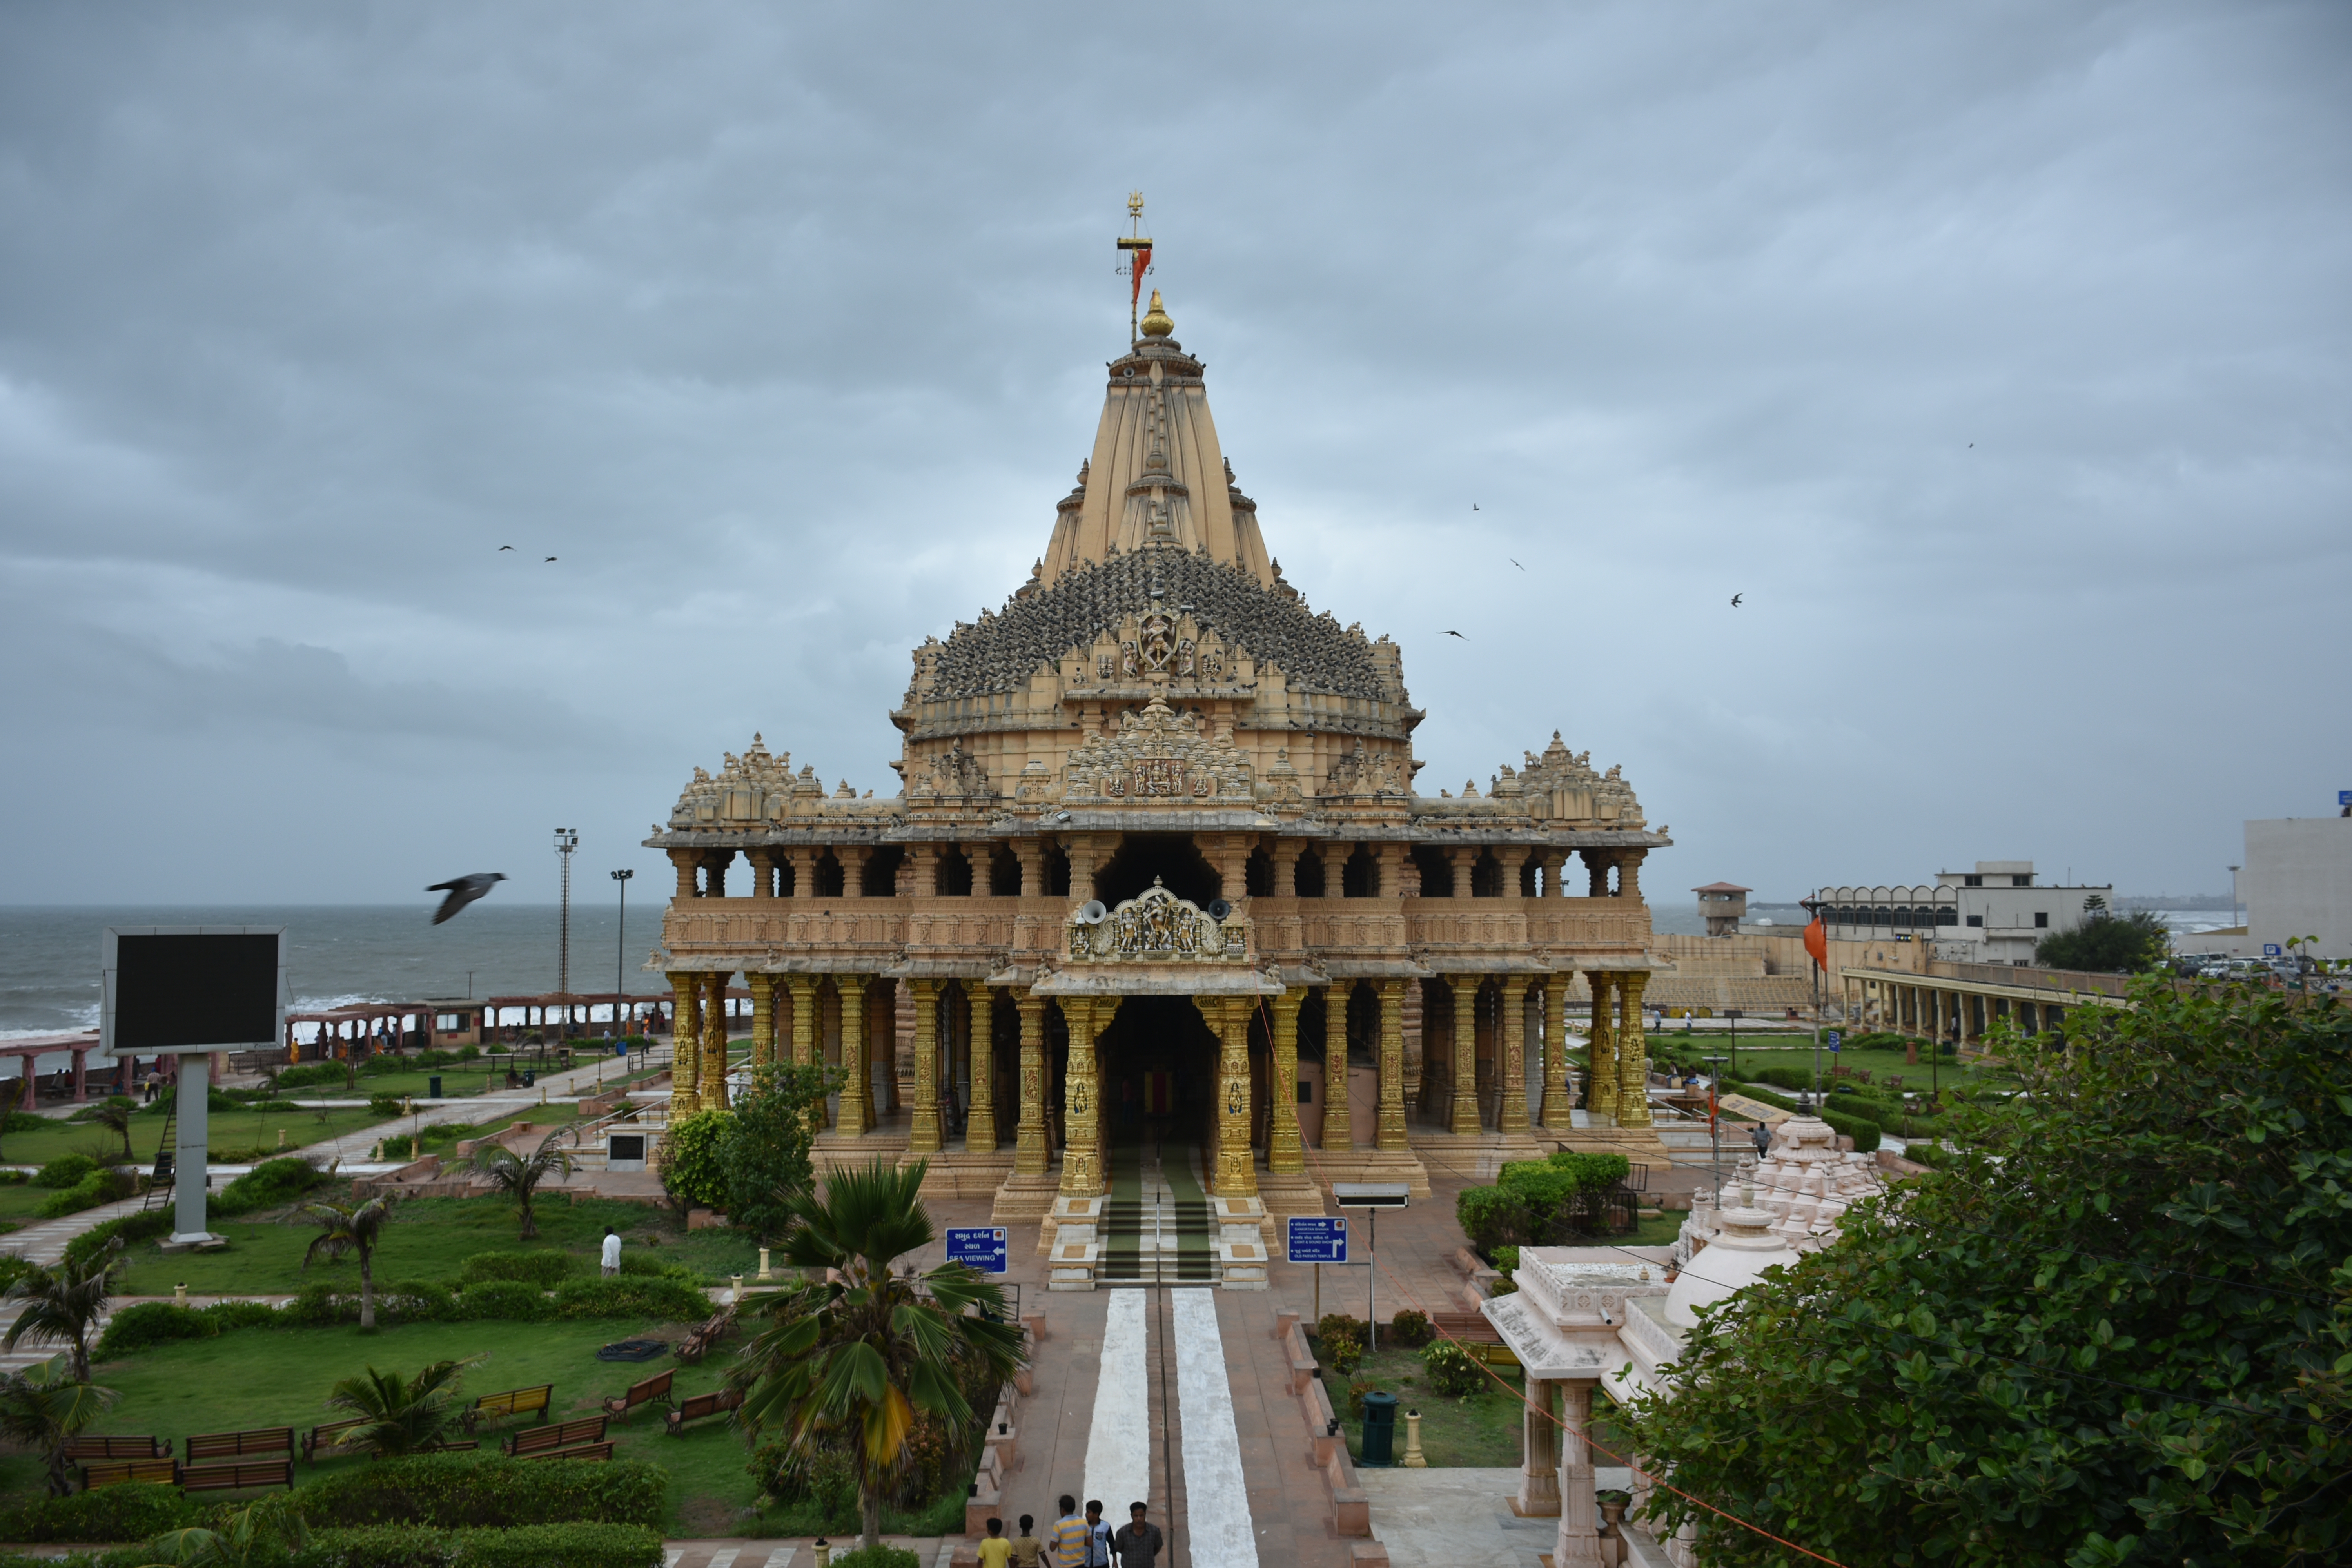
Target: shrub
{"x":14,"y":1178}
{"x":308,"y":1073}
{"x":504,"y":1300}
{"x":822,"y":1474}
{"x":639,"y":1264}
{"x":661,"y":1299}
{"x":99,"y":1186}
{"x":1538,"y":1202}
{"x":1356,"y":1392}
{"x":13,"y":1268}
{"x":545,"y":1269}
{"x":139,"y":1327}
{"x":130,"y":1228}
{"x":383,"y":1105}
{"x":1340,"y":1323}
{"x":1411,"y":1329}
{"x":1453,"y":1370}
{"x":694,"y":1158}
{"x":112,"y":1513}
{"x":879,"y":1555}
{"x":1342,"y":1353}
{"x":447,"y":1492}
{"x":65,"y":1171}
{"x":524,"y":1546}
{"x":271,"y":1184}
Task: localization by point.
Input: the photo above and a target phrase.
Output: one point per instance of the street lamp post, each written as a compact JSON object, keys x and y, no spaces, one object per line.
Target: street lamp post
{"x":2233,"y":896}
{"x":567,"y":839}
{"x":620,"y":949}
{"x":1715,"y":1124}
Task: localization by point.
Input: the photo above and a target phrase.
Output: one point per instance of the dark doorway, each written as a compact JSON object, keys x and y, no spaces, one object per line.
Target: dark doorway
{"x":1159,"y":1072}
{"x":1168,"y":857}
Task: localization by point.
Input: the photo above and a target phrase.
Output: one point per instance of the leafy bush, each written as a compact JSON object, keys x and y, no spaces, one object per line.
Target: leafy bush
{"x":1356,"y":1392}
{"x":111,"y":1513}
{"x":1411,"y":1329}
{"x":14,"y":1178}
{"x":1340,"y":1323}
{"x":100,"y":1187}
{"x":271,"y":1184}
{"x":308,"y":1073}
{"x":449,"y":1491}
{"x":1538,"y":1202}
{"x":821,"y":1474}
{"x":383,"y":1105}
{"x":661,"y":1299}
{"x":13,"y":1268}
{"x":879,"y":1555}
{"x":1453,"y":1370}
{"x":545,"y":1269}
{"x":1781,"y":1077}
{"x":65,"y":1171}
{"x":694,"y":1158}
{"x":1342,"y":1353}
{"x":140,"y":1327}
{"x":524,"y":1546}
{"x":130,"y":1227}
{"x":504,"y":1300}
{"x":644,"y":1265}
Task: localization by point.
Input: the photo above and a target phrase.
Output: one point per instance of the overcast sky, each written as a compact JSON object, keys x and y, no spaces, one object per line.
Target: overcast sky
{"x":1997,"y":354}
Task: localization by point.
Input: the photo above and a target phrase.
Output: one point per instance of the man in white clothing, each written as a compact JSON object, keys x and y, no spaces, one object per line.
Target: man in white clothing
{"x":611,"y":1252}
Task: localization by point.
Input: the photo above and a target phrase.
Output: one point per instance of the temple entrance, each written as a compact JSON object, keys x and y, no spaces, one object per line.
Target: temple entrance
{"x":1159,"y":1079}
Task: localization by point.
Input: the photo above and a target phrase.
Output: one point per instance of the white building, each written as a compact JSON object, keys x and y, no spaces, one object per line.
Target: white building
{"x":1994,"y":914}
{"x":2297,"y":882}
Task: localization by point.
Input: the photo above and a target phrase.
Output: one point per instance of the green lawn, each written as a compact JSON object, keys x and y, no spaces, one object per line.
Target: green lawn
{"x":430,"y":1238}
{"x":228,"y":1132}
{"x":1477,"y":1430}
{"x":457,"y":1082}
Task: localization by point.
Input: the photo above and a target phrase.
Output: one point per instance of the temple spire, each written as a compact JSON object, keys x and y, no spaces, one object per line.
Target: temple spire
{"x":1138,"y":246}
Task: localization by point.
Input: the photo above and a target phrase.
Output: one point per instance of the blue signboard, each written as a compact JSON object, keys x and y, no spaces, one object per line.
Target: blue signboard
{"x":1833,"y":1036}
{"x":2273,"y":950}
{"x":1317,"y":1238}
{"x":980,"y":1246}
{"x":2344,"y":797}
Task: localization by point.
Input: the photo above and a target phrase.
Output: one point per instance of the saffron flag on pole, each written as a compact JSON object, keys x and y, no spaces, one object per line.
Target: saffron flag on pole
{"x":1817,"y":942}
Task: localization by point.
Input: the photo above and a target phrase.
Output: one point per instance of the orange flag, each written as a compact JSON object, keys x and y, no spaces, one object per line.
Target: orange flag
{"x":1817,"y":942}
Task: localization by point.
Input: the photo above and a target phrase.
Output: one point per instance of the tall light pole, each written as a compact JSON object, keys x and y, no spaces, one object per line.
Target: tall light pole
{"x":2233,"y":896}
{"x":620,"y":948}
{"x":567,"y":839}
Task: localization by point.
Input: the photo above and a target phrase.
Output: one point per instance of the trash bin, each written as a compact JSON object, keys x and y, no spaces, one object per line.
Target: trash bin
{"x":529,"y":1077}
{"x":433,"y":1087}
{"x":1380,"y":1428}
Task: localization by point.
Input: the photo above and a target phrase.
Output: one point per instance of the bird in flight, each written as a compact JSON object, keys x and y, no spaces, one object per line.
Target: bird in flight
{"x":1514,"y":562}
{"x":1457,"y":634}
{"x":463,"y":891}
{"x":1735,"y":598}
{"x":545,"y":563}
{"x":1473,"y":506}
{"x":506,"y":547}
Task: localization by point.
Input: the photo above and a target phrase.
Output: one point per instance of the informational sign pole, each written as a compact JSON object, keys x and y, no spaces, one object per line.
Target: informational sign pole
{"x":1372,"y":1196}
{"x":1317,"y":1239}
{"x":978,"y":1246}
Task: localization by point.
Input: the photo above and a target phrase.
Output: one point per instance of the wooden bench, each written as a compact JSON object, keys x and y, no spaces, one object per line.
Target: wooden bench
{"x":330,"y":1435}
{"x":80,"y":1449}
{"x":696,"y":1345}
{"x":598,"y":1451}
{"x":563,"y":1434}
{"x":700,"y":1404}
{"x":655,"y":1387}
{"x":513,"y":1402}
{"x":234,"y":1444}
{"x":163,"y":1471}
{"x":236,"y":1475}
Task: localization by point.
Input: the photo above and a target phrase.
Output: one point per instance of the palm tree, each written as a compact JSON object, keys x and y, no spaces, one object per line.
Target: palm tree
{"x":63,"y":1305}
{"x":518,"y":1177}
{"x":263,"y":1531}
{"x":403,"y":1416}
{"x":114,"y":1114}
{"x":42,"y":1405}
{"x":859,"y":1354}
{"x":347,"y":1228}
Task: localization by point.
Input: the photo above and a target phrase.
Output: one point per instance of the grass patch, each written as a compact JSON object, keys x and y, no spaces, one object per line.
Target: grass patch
{"x":227,"y":1132}
{"x":1476,"y":1431}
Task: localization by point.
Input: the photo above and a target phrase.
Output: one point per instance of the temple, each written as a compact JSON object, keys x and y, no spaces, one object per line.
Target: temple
{"x":1158,"y":877}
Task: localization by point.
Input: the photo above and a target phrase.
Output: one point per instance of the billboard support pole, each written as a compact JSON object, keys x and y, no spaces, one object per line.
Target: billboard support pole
{"x":188,"y":1177}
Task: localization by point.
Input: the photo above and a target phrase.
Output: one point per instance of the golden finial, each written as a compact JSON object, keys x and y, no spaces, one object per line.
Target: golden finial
{"x":1156,"y":323}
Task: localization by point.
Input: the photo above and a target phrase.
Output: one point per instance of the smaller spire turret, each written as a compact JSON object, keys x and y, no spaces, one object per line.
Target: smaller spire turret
{"x":1156,"y":321}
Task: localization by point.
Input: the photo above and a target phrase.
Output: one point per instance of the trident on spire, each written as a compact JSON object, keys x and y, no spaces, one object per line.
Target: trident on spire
{"x":1138,"y":262}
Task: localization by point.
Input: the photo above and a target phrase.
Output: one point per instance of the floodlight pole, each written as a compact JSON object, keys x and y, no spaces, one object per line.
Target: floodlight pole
{"x":567,"y":839}
{"x":620,"y":949}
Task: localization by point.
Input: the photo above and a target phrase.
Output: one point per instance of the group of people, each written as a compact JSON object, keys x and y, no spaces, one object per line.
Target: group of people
{"x":1077,"y":1541}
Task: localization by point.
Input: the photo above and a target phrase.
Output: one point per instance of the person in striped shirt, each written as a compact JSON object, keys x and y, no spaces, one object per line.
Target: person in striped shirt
{"x":1067,"y":1543}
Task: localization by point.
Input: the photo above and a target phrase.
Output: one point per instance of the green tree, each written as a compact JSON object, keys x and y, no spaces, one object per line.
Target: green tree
{"x":765,"y":1157}
{"x":347,"y":1228}
{"x":2106,"y":943}
{"x":2117,"y":1330}
{"x":692,"y":1162}
{"x":403,"y":1416}
{"x":265,"y":1531}
{"x":63,"y":1305}
{"x":42,"y":1405}
{"x":857,"y":1355}
{"x":114,"y":1114}
{"x":12,"y":1089}
{"x":519,"y":1176}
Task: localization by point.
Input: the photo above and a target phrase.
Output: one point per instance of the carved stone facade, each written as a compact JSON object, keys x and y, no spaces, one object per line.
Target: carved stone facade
{"x":1160,"y":723}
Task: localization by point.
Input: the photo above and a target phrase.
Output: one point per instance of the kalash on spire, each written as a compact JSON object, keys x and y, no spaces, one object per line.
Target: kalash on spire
{"x":1156,"y":871}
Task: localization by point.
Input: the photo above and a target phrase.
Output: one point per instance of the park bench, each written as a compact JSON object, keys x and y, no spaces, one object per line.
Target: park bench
{"x":597,"y":1451}
{"x":563,"y":1434}
{"x":696,"y":1345}
{"x":513,"y":1402}
{"x":330,"y":1435}
{"x":90,"y":1447}
{"x":655,"y":1387}
{"x":236,"y":1475}
{"x":235,"y":1445}
{"x":700,"y":1404}
{"x":163,"y":1471}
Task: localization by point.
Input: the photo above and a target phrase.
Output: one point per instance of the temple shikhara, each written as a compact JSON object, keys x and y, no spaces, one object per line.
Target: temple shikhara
{"x":1159,"y":890}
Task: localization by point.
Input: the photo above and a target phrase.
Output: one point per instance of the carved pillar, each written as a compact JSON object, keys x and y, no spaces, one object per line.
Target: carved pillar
{"x":1578,"y":1541}
{"x":803,"y":989}
{"x":1512,"y":1114}
{"x":1229,"y":853}
{"x":1554,"y":862}
{"x":1236,"y":1169}
{"x":1030,"y":853}
{"x":856,"y":1115}
{"x":684,"y":1043}
{"x":1465,"y":1120}
{"x":1339,"y":1131}
{"x":1088,"y":852}
{"x":1633,"y":1054}
{"x":714,"y":1042}
{"x":763,"y":872}
{"x":1391,"y":1136}
{"x":980,"y":1126}
{"x":1596,"y":866}
{"x":1556,"y":1105}
{"x":686,"y":860}
{"x":1601,"y":1054}
{"x":1399,"y":876}
{"x":1286,"y":1150}
{"x":923,"y":862}
{"x":1081,"y":1109}
{"x":714,"y":872}
{"x":853,"y":859}
{"x":923,"y":1137}
{"x":1030,"y":1153}
{"x":802,"y":861}
{"x":1629,"y":872}
{"x":1285,"y":853}
{"x":1462,"y":861}
{"x":763,"y":1019}
{"x":1539,"y":1453}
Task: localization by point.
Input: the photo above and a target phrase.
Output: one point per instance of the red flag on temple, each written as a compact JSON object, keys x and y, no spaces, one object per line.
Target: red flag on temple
{"x":1817,"y":942}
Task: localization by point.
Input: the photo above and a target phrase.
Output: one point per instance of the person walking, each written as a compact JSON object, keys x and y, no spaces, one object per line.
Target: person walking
{"x":1068,"y":1540}
{"x":1028,"y":1551}
{"x":611,"y":1252}
{"x":1097,"y":1535}
{"x":1137,"y":1542}
{"x":995,"y":1552}
{"x":1763,"y":1136}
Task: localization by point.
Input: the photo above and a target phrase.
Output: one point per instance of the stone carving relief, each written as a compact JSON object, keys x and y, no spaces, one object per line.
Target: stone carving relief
{"x":1158,"y":926}
{"x":1560,"y":784}
{"x":955,"y":773}
{"x":1364,"y":771}
{"x":1158,"y":756}
{"x":750,"y":789}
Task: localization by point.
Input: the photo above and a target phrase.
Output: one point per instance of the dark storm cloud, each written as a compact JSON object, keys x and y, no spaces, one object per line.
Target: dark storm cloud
{"x":782,"y":330}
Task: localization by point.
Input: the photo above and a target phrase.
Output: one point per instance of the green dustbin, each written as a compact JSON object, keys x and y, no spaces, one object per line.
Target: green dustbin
{"x":1380,"y":1428}
{"x":433,"y":1087}
{"x":530,"y":1077}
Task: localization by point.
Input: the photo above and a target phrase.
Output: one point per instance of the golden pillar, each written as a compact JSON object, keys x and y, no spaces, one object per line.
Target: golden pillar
{"x":1633,"y":1053}
{"x":1236,"y":1169}
{"x":803,"y":989}
{"x":714,"y":1042}
{"x":980,"y":1127}
{"x":923,"y":1137}
{"x":1465,"y":1120}
{"x":684,"y":1043}
{"x":1081,"y":1107}
{"x":1512,"y":1114}
{"x":1285,"y":1151}
{"x":1030,"y":1153}
{"x":1391,"y":1136}
{"x":763,"y":1020}
{"x":1601,"y":1054}
{"x":1554,"y":1111}
{"x":1335,"y":1114}
{"x":857,"y":1116}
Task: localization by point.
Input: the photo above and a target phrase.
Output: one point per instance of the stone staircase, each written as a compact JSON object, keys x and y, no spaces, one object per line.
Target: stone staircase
{"x":1142,"y":1237}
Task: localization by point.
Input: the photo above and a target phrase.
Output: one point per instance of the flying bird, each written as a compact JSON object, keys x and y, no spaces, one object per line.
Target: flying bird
{"x":1735,"y":598}
{"x":545,"y":563}
{"x":1457,"y":634}
{"x":463,"y":891}
{"x":1473,"y":506}
{"x":1514,"y":562}
{"x":506,"y":547}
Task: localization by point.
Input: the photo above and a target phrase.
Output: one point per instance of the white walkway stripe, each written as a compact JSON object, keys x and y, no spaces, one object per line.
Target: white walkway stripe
{"x":1216,"y":1499}
{"x":781,"y":1557}
{"x":725,"y":1557}
{"x":1119,"y":1444}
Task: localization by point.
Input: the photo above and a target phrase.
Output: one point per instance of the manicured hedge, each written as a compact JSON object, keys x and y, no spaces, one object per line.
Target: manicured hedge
{"x":149,"y":1323}
{"x":269,"y":1185}
{"x":64,"y":1170}
{"x":545,"y":1269}
{"x":662,"y":1299}
{"x":143,"y":1227}
{"x":1864,"y":1132}
{"x":449,"y":1491}
{"x":526,"y":1546}
{"x":111,"y":1514}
